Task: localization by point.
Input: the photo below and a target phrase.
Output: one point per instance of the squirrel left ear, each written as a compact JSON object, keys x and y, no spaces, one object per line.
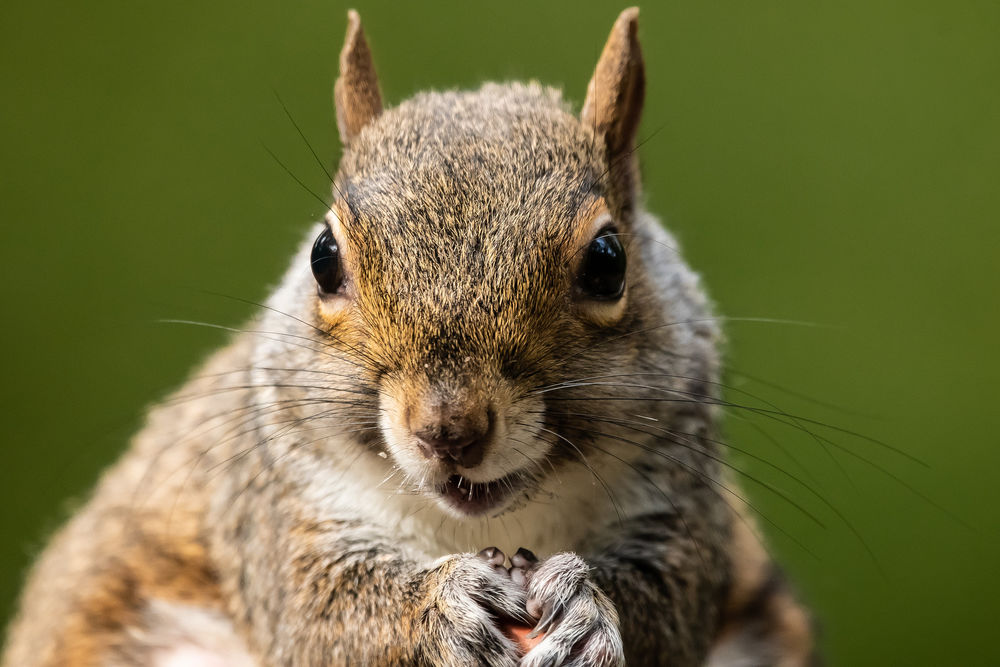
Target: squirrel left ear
{"x":615,"y":94}
{"x":356,"y":95}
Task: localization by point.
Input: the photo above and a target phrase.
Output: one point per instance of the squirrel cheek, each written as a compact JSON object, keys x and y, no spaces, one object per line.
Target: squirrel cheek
{"x":392,"y":422}
{"x":335,"y":311}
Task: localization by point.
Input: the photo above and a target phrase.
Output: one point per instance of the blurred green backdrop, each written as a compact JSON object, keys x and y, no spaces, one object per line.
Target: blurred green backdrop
{"x":835,"y":163}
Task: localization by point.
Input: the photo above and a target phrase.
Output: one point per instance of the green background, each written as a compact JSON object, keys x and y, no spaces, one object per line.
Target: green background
{"x":834,"y":163}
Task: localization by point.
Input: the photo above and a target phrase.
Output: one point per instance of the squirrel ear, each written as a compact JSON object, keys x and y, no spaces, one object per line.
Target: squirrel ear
{"x":356,"y":95}
{"x":616,"y":91}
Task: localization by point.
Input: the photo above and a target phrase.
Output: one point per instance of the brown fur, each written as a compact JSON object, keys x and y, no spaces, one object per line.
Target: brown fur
{"x":283,"y":494}
{"x":760,"y":609}
{"x":140,"y":538}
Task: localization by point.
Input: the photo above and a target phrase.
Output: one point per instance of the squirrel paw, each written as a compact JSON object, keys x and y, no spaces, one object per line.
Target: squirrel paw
{"x":468,"y":593}
{"x":579,"y":621}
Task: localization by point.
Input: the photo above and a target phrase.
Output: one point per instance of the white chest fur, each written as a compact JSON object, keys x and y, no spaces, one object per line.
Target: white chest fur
{"x":570,"y":505}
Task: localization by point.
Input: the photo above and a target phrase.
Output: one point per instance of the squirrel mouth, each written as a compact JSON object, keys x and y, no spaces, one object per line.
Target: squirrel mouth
{"x":474,"y":498}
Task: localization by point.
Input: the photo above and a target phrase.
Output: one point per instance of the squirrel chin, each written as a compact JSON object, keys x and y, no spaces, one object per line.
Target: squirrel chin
{"x":465,"y":498}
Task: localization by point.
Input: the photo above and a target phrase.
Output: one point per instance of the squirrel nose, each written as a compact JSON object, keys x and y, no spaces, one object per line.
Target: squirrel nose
{"x":460,"y":437}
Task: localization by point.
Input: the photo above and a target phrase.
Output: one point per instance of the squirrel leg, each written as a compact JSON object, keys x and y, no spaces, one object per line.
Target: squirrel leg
{"x":672,"y":610}
{"x":338,"y":593}
{"x":665,"y":587}
{"x":763,"y":623}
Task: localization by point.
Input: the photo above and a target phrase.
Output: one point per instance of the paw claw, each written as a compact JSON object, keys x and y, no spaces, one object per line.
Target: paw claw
{"x":523,"y":558}
{"x":534,"y":607}
{"x":579,"y":622}
{"x":545,"y":622}
{"x":473,"y":601}
{"x":493,"y":556}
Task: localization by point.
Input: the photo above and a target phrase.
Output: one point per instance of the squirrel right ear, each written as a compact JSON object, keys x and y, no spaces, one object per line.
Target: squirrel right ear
{"x":615,"y":95}
{"x":356,"y":95}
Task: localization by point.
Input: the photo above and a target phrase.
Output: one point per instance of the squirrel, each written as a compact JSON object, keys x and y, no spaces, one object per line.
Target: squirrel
{"x":486,"y":341}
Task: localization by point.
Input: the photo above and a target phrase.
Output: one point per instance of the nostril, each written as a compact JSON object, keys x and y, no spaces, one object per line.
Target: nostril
{"x":443,"y":446}
{"x":430,"y":449}
{"x":463,"y":442}
{"x":457,"y":431}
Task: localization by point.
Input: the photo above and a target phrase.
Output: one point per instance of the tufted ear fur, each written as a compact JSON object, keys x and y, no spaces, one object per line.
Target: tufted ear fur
{"x":356,"y":94}
{"x":614,"y":97}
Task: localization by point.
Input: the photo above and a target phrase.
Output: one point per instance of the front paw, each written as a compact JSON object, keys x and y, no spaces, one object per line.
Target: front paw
{"x":578,"y":620}
{"x":468,"y":597}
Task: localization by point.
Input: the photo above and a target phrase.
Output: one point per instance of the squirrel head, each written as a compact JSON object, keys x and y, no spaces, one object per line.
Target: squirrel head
{"x":486,"y":253}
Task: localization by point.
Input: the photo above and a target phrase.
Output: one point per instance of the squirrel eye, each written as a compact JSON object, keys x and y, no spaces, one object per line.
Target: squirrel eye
{"x":326,"y":263}
{"x":602,"y":275}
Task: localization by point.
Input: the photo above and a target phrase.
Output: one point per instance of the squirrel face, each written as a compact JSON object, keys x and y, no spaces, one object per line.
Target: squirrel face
{"x":482,"y":258}
{"x":475,"y":237}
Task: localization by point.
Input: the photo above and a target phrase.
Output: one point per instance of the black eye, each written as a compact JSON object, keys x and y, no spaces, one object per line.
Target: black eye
{"x":326,"y":263}
{"x":603,"y":273}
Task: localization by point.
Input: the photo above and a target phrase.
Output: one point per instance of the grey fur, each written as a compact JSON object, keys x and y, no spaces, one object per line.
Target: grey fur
{"x":280,"y":490}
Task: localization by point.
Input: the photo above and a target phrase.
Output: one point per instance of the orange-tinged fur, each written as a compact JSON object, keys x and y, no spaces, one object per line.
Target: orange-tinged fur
{"x":280,"y":510}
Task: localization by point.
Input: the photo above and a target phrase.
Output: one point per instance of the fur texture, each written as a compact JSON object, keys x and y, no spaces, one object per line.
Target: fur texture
{"x":280,"y":510}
